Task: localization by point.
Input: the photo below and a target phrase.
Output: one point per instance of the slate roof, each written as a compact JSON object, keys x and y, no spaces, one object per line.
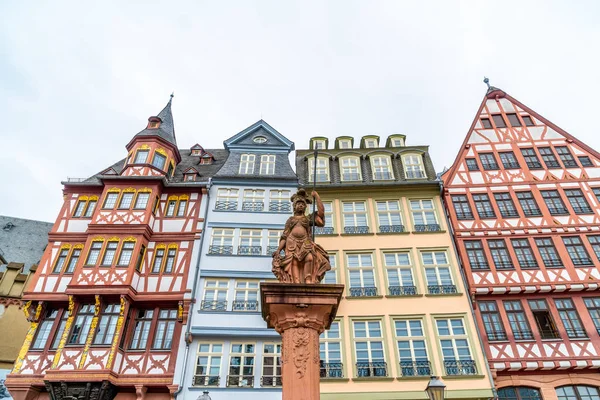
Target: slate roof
{"x":23,"y":240}
{"x":166,"y":130}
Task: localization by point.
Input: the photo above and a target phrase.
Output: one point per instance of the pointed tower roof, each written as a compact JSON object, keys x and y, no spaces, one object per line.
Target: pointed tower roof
{"x":165,"y":129}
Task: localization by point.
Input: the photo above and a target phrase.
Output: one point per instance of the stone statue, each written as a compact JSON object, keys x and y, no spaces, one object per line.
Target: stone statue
{"x":304,"y":261}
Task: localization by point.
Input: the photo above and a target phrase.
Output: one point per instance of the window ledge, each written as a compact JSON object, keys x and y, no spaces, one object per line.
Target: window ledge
{"x":392,"y":296}
{"x":323,"y":380}
{"x":363,"y":297}
{"x":463,"y":377}
{"x":413,"y":378}
{"x":443,"y":294}
{"x":252,"y":212}
{"x":428,"y":232}
{"x":373,"y":379}
{"x":329,"y":234}
{"x":357,"y":234}
{"x":394,"y":233}
{"x":239,"y":255}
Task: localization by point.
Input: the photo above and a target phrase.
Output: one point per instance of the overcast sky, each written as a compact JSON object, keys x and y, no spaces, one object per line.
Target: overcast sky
{"x":79,"y":79}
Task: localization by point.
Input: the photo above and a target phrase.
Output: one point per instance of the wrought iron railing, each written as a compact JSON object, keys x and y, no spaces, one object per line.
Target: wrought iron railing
{"x":486,"y":214}
{"x":464,"y":215}
{"x":581,"y":261}
{"x":511,"y":165}
{"x":569,"y":163}
{"x":526,"y":264}
{"x":415,"y":174}
{"x":356,"y":230}
{"x":480,"y":265}
{"x":223,"y":250}
{"x":245,"y":305}
{"x":249,"y":250}
{"x":371,"y":369}
{"x":277,"y":206}
{"x":213,"y":305}
{"x":350,"y":176}
{"x":427,"y":228}
{"x":460,"y":367}
{"x":441,"y":289}
{"x":503,"y":264}
{"x":320,"y":178}
{"x":391,"y":228}
{"x":497,"y":336}
{"x":534,"y":164}
{"x":509,"y":213}
{"x":415,"y":368}
{"x":363,"y":291}
{"x":553,"y":263}
{"x":402,"y":290}
{"x":552,"y":163}
{"x":532,"y":212}
{"x":490,"y":167}
{"x":225,"y":205}
{"x":272,"y":381}
{"x":271,"y":249}
{"x":206,"y":380}
{"x":253,"y":206}
{"x":240,"y":380}
{"x":522,"y":335}
{"x":557,"y":210}
{"x":582,"y":210}
{"x":576,"y":333}
{"x":378,"y":176}
{"x":331,"y":370}
{"x":323,"y":230}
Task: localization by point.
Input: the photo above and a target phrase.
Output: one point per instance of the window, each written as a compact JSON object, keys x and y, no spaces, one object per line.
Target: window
{"x":570,"y":318}
{"x":585,"y":161}
{"x":141,"y":201}
{"x":517,"y":320}
{"x":94,"y":253}
{"x":250,"y":242}
{"x":596,"y":193}
{"x":554,"y":202}
{"x":593,"y":306}
{"x":476,"y":255}
{"x":253,"y":200}
{"x":362,"y":275}
{"x":208,"y":364}
{"x":548,"y":157}
{"x":423,"y":214}
{"x":462,"y":207}
{"x":170,"y":262}
{"x":565,"y":156}
{"x":44,"y":329}
{"x":221,"y":242}
{"x":60,"y":261}
{"x":368,"y":344}
{"x":505,"y":205}
{"x":60,"y":331}
{"x":271,"y":374}
{"x":91,"y":206}
{"x":483,"y":205}
{"x":528,"y":120}
{"x":109,"y":254}
{"x":519,"y":393}
{"x":79,"y":209}
{"x":159,"y":160}
{"x":412,"y":352}
{"x":509,"y":161}
{"x":328,"y":229}
{"x":138,"y":264}
{"x":110,"y":200}
{"x":322,"y":169}
{"x":247,"y":164}
{"x":141,"y":157}
{"x":389,"y":216}
{"x":595,"y":243}
{"x":273,"y":238}
{"x":355,"y":217}
{"x":126,"y":254}
{"x":543,"y":319}
{"x":107,"y":324}
{"x":528,"y":204}
{"x":350,"y":169}
{"x":500,"y":255}
{"x":227,"y":199}
{"x":330,"y":349}
{"x":126,"y":200}
{"x":165,"y":327}
{"x":382,"y":168}
{"x":397,"y":142}
{"x":524,"y":253}
{"x":279,"y":201}
{"x":548,"y":252}
{"x":246,"y":296}
{"x":492,"y":321}
{"x":190,"y":177}
{"x":181,"y":207}
{"x":578,"y":393}
{"x":331,"y":275}
{"x":399,"y":274}
{"x":499,"y":121}
{"x":241,"y":365}
{"x":159,"y":256}
{"x":267,"y":164}
{"x":531,"y":158}
{"x":578,"y":201}
{"x":215,"y":295}
{"x":413,"y":167}
{"x":577,"y":252}
{"x":513,"y":119}
{"x":82,"y":324}
{"x":437,"y":272}
{"x":472,"y":164}
{"x":345,"y":143}
{"x":73,"y":260}
{"x":141,"y":329}
{"x":488,"y":161}
{"x":455,"y":347}
{"x":485,"y":122}
{"x":318,"y":144}
{"x":171,"y":204}
{"x":370,"y":143}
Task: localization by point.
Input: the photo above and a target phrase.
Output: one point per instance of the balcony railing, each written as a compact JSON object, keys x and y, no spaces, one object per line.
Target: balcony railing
{"x":277,"y":206}
{"x":391,"y":228}
{"x":534,"y":164}
{"x":569,"y":163}
{"x":510,"y":213}
{"x":245,"y":305}
{"x":371,"y":369}
{"x":350,"y":176}
{"x":363,"y":291}
{"x":523,"y":335}
{"x":331,"y":370}
{"x":272,"y":381}
{"x":463,"y":216}
{"x":558,"y":210}
{"x":320,"y":177}
{"x":415,"y":368}
{"x":490,"y":167}
{"x":323,"y":230}
{"x":553,"y":263}
{"x":441,"y":289}
{"x":531,"y":212}
{"x":223,"y":250}
{"x":497,"y":336}
{"x":486,"y":214}
{"x":240,"y":380}
{"x":271,"y":249}
{"x":213,"y":305}
{"x":504,"y":264}
{"x":253,"y":206}
{"x":356,"y":230}
{"x":576,"y":333}
{"x":552,"y":163}
{"x":223,"y":205}
{"x":581,"y":261}
{"x":511,"y":165}
{"x":428,"y":228}
{"x":379,"y":176}
{"x":549,"y":334}
{"x":415,"y":174}
{"x":479,"y":265}
{"x":460,"y":367}
{"x":206,"y":380}
{"x":402,"y":290}
{"x":249,"y":250}
{"x":528,"y":264}
{"x":582,"y":210}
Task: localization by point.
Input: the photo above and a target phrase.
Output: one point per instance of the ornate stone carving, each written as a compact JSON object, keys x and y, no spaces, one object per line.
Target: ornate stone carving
{"x":81,"y":391}
{"x":300,"y":338}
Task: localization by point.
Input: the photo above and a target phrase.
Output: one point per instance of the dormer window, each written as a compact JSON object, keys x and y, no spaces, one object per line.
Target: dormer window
{"x":196,"y":152}
{"x":397,"y":142}
{"x":206,"y":160}
{"x":267,"y":164}
{"x":141,"y":157}
{"x":260,"y":140}
{"x":190,"y":177}
{"x":247,"y":164}
{"x":382,"y":167}
{"x":159,"y":160}
{"x":319,"y":144}
{"x":322,"y":169}
{"x":370,"y":143}
{"x":413,"y":166}
{"x":345,"y":143}
{"x":350,"y":168}
{"x":153,"y":122}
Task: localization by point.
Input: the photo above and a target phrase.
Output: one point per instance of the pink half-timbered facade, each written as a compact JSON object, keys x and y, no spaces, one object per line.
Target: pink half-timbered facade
{"x":109,"y":298}
{"x":523,"y":197}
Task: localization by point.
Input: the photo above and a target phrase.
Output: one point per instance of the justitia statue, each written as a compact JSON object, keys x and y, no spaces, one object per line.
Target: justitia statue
{"x":304,"y":261}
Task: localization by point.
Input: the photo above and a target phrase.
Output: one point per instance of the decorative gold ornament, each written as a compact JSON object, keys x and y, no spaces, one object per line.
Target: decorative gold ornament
{"x":115,"y":342}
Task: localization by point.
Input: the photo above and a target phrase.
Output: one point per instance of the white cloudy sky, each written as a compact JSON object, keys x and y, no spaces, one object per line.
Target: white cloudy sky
{"x":78,"y":80}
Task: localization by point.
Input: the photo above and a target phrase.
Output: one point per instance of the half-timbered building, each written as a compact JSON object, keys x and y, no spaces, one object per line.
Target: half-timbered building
{"x":523,"y":197}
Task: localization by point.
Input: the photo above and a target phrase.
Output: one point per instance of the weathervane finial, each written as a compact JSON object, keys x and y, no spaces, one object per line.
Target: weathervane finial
{"x":172,"y":94}
{"x":486,"y":80}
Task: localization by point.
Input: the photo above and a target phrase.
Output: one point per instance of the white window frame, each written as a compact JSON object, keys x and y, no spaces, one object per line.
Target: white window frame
{"x":383,"y":168}
{"x":437,"y":267}
{"x":218,"y":290}
{"x":350,"y":165}
{"x":319,"y":144}
{"x":345,"y":143}
{"x":243,"y":356}
{"x":331,"y":275}
{"x":394,"y":263}
{"x":413,"y":166}
{"x":328,"y":341}
{"x":386,"y":214}
{"x":397,"y":142}
{"x":273,"y":238}
{"x":214,"y":358}
{"x":370,"y":143}
{"x":247,"y":162}
{"x":411,"y":337}
{"x":246,"y":291}
{"x":361,"y":269}
{"x":322,"y":169}
{"x":267,"y":164}
{"x":453,"y":337}
{"x":254,"y":196}
{"x":275,"y":358}
{"x":423,"y":211}
{"x":370,"y":340}
{"x":354,"y":213}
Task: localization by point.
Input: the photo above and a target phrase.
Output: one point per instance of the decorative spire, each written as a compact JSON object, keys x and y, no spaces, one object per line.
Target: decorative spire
{"x":165,"y":128}
{"x":490,"y":88}
{"x":486,"y":80}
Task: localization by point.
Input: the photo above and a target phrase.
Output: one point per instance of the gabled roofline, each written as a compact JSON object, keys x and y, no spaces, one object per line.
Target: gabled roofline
{"x":258,"y":124}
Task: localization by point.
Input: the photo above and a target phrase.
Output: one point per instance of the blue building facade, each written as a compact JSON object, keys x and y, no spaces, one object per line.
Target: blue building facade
{"x":229,"y":349}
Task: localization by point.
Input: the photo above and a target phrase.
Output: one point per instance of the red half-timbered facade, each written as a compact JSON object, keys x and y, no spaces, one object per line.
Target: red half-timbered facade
{"x":109,"y":298}
{"x":523,"y":197}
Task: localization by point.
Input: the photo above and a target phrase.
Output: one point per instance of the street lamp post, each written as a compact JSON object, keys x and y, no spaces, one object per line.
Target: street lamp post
{"x":435,"y":389}
{"x":204,"y":396}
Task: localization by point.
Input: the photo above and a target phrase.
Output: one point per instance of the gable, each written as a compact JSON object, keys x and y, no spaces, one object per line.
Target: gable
{"x":259,"y":136}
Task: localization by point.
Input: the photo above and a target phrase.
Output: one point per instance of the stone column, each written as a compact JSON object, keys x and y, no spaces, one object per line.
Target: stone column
{"x":300,"y":313}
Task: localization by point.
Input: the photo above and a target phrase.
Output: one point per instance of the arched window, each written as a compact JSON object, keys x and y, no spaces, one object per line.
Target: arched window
{"x":519,"y":393}
{"x":350,"y":168}
{"x":579,"y":392}
{"x":381,"y":165}
{"x":322,"y":169}
{"x":413,"y":166}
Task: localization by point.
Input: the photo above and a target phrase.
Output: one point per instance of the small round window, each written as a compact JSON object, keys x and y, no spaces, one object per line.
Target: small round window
{"x":260,"y":139}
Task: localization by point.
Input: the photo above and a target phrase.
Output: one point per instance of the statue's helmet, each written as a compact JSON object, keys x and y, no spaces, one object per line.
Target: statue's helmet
{"x":302,"y":196}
